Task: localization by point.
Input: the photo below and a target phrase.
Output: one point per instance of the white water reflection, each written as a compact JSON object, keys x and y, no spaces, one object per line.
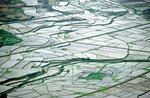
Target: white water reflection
{"x":147,"y":0}
{"x":30,"y":2}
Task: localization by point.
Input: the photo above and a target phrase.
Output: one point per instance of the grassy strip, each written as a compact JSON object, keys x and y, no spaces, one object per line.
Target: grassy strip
{"x":7,"y":38}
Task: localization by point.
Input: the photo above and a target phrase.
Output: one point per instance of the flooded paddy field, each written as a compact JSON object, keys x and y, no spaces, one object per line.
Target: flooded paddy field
{"x":75,"y":48}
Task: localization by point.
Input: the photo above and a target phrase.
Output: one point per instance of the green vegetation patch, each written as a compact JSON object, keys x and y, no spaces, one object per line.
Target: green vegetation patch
{"x":114,"y":76}
{"x":94,"y":76}
{"x":90,"y":95}
{"x":98,"y":30}
{"x":64,"y":49}
{"x":19,"y":59}
{"x":78,"y":67}
{"x":103,"y":89}
{"x":43,"y":84}
{"x":147,"y":69}
{"x":78,"y":93}
{"x":115,"y":79}
{"x":7,"y":38}
{"x":142,"y":76}
{"x":99,"y":67}
{"x":67,"y":31}
{"x":95,"y":49}
{"x":92,"y":10}
{"x":133,"y":43}
{"x":58,"y":90}
{"x":8,"y":71}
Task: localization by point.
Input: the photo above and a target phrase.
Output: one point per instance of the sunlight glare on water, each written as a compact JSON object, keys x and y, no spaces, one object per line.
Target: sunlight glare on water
{"x":30,"y":2}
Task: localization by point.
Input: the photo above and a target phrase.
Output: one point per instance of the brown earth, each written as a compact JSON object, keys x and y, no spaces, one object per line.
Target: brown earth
{"x":11,"y":10}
